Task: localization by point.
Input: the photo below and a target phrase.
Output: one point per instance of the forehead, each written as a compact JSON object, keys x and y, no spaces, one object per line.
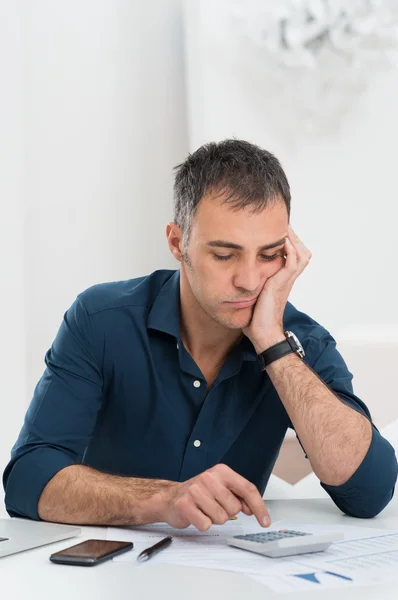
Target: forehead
{"x":216,"y":218}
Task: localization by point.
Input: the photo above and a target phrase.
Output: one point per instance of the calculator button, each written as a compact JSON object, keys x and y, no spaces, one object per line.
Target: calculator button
{"x":271,"y":536}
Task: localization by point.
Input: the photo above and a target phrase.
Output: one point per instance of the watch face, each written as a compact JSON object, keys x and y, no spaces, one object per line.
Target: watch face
{"x":300,"y":349}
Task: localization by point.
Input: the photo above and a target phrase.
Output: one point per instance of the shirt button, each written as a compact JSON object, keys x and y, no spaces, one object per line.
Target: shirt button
{"x":177,"y":346}
{"x":196,"y":383}
{"x":196,"y":443}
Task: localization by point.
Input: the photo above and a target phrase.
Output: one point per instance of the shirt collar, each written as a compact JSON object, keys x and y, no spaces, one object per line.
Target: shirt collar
{"x":165,"y":315}
{"x":165,"y":312}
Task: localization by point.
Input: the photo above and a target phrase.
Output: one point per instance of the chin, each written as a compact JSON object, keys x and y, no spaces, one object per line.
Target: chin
{"x":239,"y":321}
{"x":242,"y":323}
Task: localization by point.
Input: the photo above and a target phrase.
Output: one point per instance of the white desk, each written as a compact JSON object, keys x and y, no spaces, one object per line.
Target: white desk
{"x":30,"y":575}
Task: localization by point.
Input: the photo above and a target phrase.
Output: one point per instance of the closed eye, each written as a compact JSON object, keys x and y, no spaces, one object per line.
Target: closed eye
{"x":262,"y":256}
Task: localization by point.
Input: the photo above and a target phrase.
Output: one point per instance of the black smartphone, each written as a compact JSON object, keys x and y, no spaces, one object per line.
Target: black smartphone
{"x":90,"y":552}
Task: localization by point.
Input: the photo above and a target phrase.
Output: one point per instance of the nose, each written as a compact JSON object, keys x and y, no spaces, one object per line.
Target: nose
{"x":248,"y":277}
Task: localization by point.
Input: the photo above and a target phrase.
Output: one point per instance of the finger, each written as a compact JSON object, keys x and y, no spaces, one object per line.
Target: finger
{"x":291,"y":263}
{"x":208,"y":505}
{"x":294,"y":238}
{"x":246,"y":510}
{"x":299,"y":257}
{"x":303,"y":259}
{"x":304,"y":255}
{"x":288,"y":272}
{"x":196,"y":517}
{"x":225,"y":498}
{"x":248,"y":492}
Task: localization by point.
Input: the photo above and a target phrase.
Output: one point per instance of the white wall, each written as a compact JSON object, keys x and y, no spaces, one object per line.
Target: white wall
{"x":12,"y":318}
{"x":104,"y":122}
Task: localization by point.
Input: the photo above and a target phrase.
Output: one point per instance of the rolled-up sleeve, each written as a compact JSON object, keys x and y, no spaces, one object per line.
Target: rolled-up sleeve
{"x":61,"y":417}
{"x":371,"y":487}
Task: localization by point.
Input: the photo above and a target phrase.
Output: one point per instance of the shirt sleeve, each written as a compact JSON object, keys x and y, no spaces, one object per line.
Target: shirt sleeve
{"x":371,"y":487}
{"x":61,"y":417}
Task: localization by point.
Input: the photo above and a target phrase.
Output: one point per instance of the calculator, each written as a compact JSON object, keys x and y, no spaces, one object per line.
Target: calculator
{"x":285,"y":542}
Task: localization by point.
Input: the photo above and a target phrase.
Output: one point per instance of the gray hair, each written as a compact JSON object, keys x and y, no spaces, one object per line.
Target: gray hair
{"x":243,"y":173}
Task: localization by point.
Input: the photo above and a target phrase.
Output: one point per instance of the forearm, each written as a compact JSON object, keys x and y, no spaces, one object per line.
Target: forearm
{"x":335,"y":437}
{"x":81,"y":495}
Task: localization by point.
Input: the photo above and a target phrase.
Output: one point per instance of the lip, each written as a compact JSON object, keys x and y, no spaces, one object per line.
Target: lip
{"x":243,"y":303}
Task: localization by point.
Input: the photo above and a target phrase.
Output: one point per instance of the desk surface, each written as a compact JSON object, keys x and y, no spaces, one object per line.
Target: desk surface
{"x":30,"y":575}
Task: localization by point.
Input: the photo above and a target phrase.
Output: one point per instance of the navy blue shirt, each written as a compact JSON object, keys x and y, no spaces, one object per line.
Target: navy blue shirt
{"x":121,"y":394}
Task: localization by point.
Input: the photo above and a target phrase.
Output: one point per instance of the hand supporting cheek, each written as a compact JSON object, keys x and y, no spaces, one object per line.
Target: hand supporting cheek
{"x":266,"y":326}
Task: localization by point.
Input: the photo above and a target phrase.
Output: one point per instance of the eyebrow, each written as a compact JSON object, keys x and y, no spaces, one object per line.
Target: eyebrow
{"x":224,"y":244}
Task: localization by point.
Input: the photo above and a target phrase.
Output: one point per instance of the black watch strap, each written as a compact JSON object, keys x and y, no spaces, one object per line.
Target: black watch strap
{"x":281,"y":349}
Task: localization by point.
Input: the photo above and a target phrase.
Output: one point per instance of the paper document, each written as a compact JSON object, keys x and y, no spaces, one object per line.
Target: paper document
{"x":365,"y":556}
{"x":296,"y":577}
{"x":363,"y":547}
{"x":192,"y":548}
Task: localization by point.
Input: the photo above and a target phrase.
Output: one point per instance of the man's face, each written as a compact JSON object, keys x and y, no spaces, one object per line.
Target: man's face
{"x":225,"y":261}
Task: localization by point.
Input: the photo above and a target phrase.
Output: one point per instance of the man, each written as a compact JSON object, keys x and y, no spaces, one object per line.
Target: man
{"x":167,"y":397}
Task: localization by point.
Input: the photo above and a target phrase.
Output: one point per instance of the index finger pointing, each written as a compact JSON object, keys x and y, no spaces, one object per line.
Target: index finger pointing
{"x":248,"y":492}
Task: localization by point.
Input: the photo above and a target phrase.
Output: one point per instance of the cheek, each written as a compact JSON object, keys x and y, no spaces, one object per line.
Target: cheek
{"x":215,"y":282}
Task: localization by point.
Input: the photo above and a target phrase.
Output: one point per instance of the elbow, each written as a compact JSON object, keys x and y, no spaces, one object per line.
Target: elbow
{"x":365,"y":507}
{"x":15,"y":513}
{"x":15,"y":504}
{"x":26,"y":477}
{"x":372,"y":486}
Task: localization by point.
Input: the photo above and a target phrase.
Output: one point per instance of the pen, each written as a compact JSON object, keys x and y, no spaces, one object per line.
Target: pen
{"x":148,"y":552}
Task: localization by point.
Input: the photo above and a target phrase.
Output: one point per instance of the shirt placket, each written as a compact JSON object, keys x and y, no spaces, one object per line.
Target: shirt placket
{"x":197,"y":450}
{"x":195,"y":456}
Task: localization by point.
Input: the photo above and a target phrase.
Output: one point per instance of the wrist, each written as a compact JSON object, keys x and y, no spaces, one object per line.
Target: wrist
{"x":265,"y":342}
{"x":151,"y":507}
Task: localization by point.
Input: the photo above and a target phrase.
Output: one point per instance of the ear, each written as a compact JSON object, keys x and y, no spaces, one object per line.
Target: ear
{"x":174,"y":239}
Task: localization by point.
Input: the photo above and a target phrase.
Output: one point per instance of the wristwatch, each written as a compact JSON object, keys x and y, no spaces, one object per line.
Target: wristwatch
{"x":289,"y":345}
